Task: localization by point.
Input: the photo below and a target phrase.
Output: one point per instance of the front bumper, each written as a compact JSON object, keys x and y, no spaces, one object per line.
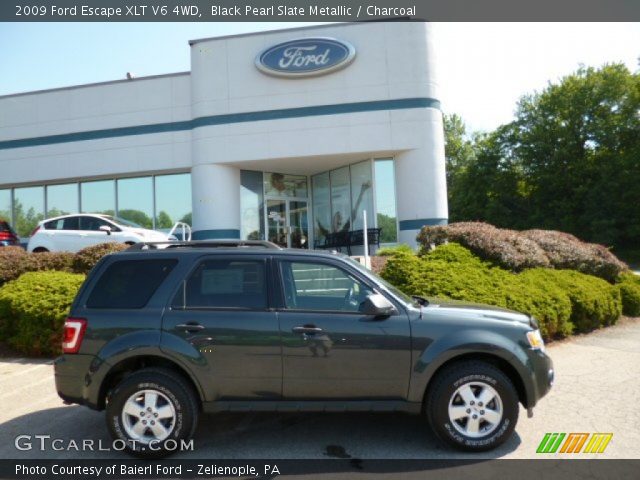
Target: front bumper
{"x":542,"y":376}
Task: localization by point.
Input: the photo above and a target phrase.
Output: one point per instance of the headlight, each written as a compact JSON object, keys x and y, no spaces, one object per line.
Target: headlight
{"x":535,"y":340}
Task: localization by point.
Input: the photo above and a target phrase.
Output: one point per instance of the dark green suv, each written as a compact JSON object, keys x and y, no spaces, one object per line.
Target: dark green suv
{"x":160,"y":333}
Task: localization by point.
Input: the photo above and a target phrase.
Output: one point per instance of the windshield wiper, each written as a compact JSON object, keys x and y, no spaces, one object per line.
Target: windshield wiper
{"x":420,"y":300}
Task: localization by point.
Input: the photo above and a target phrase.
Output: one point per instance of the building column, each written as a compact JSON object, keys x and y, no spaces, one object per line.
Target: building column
{"x":421,"y":183}
{"x":215,"y":192}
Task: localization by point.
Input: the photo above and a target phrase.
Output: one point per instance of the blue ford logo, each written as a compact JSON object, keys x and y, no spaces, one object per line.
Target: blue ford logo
{"x":305,"y":57}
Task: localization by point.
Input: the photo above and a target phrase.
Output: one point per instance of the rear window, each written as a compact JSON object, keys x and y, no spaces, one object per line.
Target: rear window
{"x":4,"y":227}
{"x":129,"y":284}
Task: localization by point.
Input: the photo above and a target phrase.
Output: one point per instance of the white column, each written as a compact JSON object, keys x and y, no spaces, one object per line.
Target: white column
{"x":215,"y":192}
{"x":421,"y":183}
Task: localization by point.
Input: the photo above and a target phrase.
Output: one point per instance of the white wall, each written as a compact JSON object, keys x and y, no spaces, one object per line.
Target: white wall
{"x":95,"y":107}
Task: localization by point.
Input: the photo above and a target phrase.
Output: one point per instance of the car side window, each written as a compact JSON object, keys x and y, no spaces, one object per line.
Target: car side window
{"x":129,"y":284}
{"x":321,"y":287}
{"x":92,"y":223}
{"x":227,"y":284}
{"x":71,"y":223}
{"x":54,"y":224}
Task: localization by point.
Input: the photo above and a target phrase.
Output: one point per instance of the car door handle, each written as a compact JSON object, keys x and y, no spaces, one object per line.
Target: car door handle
{"x":190,"y":327}
{"x":305,"y":329}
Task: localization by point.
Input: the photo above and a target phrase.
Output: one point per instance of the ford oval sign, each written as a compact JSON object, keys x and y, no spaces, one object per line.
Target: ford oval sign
{"x":305,"y":57}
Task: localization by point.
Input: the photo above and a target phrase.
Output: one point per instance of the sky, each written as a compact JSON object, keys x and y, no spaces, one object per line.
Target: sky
{"x":483,"y":68}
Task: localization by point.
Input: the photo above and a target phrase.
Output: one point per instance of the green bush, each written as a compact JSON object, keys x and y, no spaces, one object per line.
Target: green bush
{"x":388,"y":251}
{"x":629,"y":287}
{"x":594,"y":302}
{"x":87,"y":258}
{"x":33,"y":309}
{"x":561,"y":300}
{"x":533,"y":293}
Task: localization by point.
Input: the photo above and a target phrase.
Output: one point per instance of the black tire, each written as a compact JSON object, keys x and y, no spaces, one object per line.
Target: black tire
{"x":40,"y":250}
{"x":474,"y":374}
{"x":170,"y":386}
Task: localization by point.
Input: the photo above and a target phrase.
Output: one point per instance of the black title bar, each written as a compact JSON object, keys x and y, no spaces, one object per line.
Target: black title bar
{"x":549,"y":469}
{"x":316,"y":10}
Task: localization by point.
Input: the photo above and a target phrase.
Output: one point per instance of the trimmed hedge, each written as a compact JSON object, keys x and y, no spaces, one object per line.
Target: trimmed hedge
{"x":33,"y":309}
{"x":87,"y":258}
{"x":14,"y":261}
{"x":517,"y":251}
{"x":629,"y":287}
{"x":561,"y":300}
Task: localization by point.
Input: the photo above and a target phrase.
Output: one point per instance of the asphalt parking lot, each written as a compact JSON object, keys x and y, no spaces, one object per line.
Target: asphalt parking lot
{"x":597,"y":388}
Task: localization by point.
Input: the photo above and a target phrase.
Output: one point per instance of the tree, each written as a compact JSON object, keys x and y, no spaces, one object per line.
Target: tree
{"x":388,"y":225}
{"x":459,"y":152}
{"x":569,"y":161}
{"x":136,"y":216}
{"x":164,"y":220}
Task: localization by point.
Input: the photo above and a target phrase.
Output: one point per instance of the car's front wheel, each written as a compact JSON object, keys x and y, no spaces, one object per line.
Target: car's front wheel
{"x":472,"y":406}
{"x":152,"y":412}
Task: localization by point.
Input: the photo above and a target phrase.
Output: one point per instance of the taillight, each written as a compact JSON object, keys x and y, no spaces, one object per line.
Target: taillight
{"x":73,"y":333}
{"x":6,"y":236}
{"x":34,"y":231}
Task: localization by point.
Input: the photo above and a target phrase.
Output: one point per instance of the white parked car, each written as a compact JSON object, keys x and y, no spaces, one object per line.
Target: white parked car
{"x":72,"y":233}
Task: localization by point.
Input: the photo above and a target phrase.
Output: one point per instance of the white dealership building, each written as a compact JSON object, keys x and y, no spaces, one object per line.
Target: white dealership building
{"x":288,"y":135}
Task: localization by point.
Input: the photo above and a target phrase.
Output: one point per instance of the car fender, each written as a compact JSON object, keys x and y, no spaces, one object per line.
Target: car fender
{"x":465,"y":343}
{"x":147,"y":343}
{"x":181,"y":351}
{"x":39,"y":241}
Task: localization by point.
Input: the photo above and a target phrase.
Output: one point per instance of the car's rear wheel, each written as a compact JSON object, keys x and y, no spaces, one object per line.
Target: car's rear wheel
{"x":472,"y":406}
{"x":151,"y":411}
{"x":40,"y":250}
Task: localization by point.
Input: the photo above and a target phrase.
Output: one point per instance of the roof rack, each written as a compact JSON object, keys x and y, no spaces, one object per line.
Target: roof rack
{"x":205,"y":244}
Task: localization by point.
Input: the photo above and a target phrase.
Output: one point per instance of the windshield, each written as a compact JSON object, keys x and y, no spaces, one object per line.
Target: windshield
{"x":382,"y":282}
{"x":122,"y":222}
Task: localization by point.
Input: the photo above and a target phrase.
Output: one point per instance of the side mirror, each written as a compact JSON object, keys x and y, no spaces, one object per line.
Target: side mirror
{"x":378,"y":306}
{"x":106,"y":229}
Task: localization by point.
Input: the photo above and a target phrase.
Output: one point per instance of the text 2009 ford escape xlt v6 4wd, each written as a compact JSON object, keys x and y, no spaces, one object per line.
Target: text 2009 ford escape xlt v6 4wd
{"x":156,"y":336}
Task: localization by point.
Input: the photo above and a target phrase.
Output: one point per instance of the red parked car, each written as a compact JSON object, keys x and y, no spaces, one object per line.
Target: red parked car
{"x":7,"y":235}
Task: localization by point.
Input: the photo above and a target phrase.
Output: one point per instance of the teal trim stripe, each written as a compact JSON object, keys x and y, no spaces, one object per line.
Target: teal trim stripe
{"x":421,"y":222}
{"x":318,"y":110}
{"x":218,"y":234}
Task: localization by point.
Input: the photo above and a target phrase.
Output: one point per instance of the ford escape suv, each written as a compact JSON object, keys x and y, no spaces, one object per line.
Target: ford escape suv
{"x":160,"y":333}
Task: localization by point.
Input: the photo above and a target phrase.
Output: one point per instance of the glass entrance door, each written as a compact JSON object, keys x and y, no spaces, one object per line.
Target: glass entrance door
{"x":298,"y":224}
{"x":287,"y":222}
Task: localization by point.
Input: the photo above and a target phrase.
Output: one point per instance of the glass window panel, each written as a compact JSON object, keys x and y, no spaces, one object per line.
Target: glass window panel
{"x":135,"y":200}
{"x":62,"y":199}
{"x":5,"y":205}
{"x":279,"y":185}
{"x":321,"y":207}
{"x":317,"y":286}
{"x":98,"y":197}
{"x":340,"y":200}
{"x":361,"y":195}
{"x":251,"y":205}
{"x":28,"y":209}
{"x":173,"y":200}
{"x":386,"y":200}
{"x":129,"y":284}
{"x":225,"y":284}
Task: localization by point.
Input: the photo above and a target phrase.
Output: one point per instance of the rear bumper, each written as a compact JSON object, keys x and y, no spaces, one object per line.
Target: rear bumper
{"x":72,"y":375}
